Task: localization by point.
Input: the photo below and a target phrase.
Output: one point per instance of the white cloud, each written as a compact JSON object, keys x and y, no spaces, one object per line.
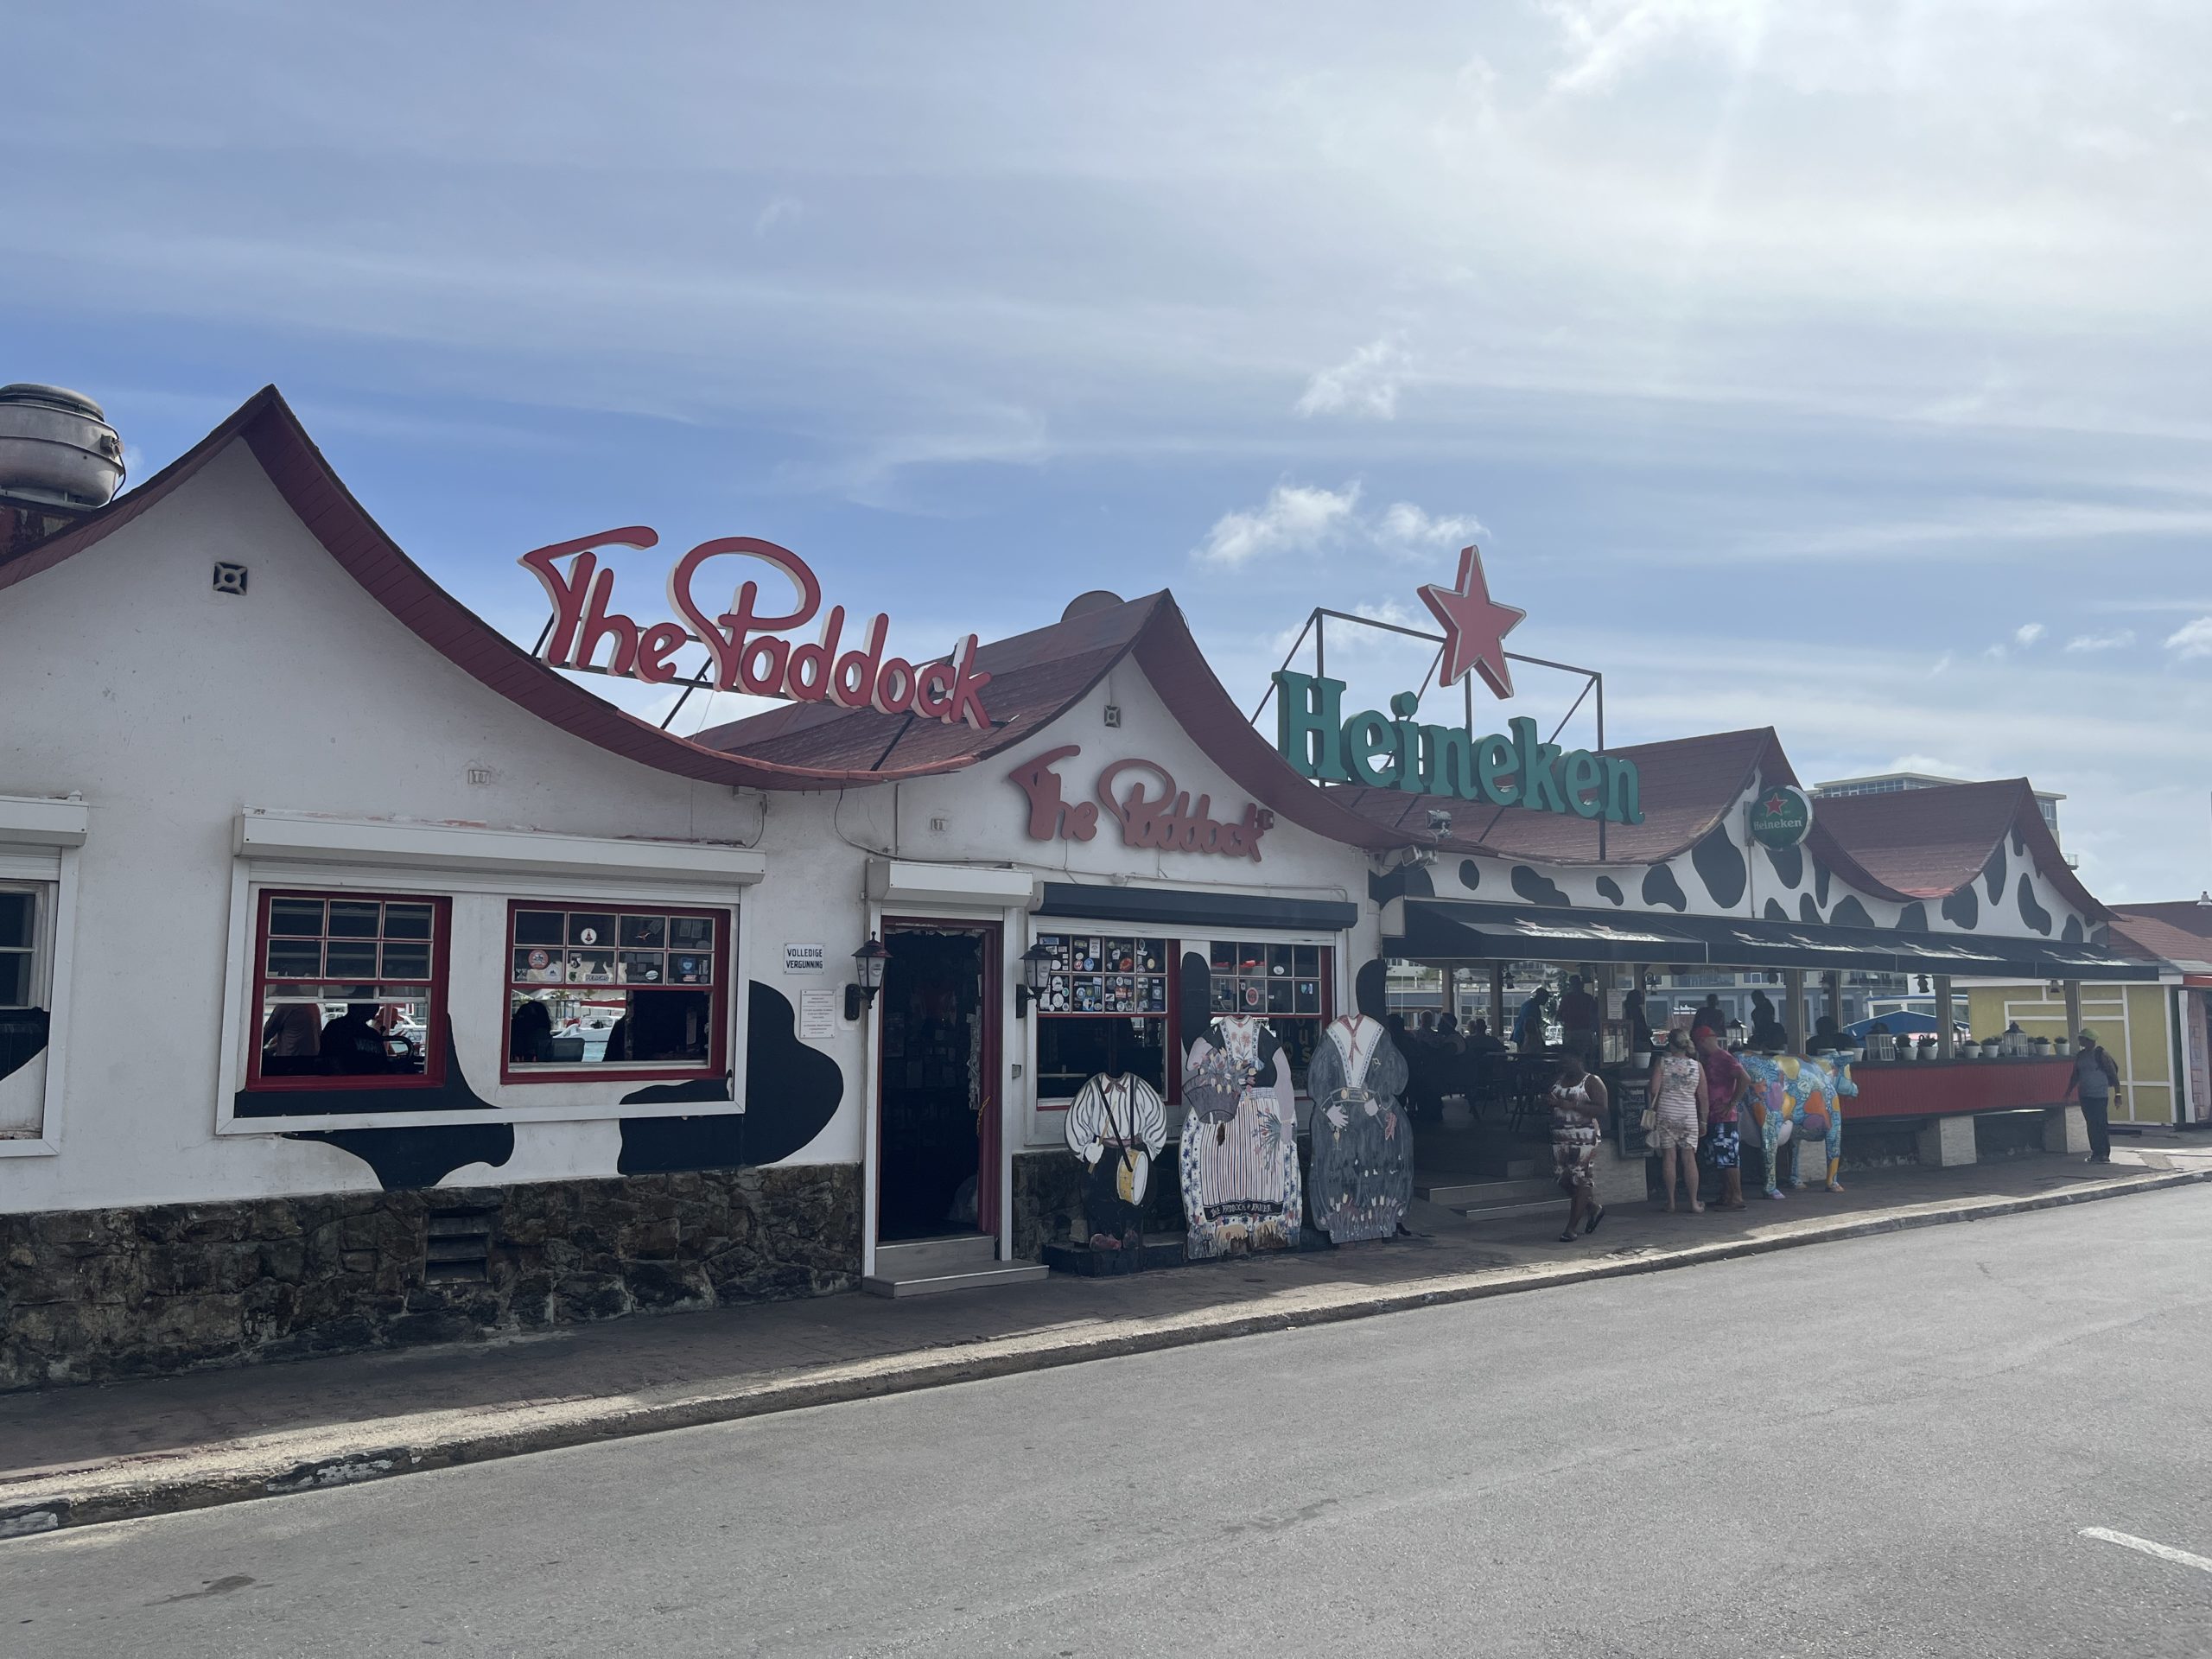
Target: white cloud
{"x":1296,"y":518}
{"x":779,"y":209}
{"x":2192,"y":638}
{"x":1942,"y":663}
{"x":1408,"y":526}
{"x":1366,"y":382}
{"x":2027,"y":633}
{"x":2118,"y":639}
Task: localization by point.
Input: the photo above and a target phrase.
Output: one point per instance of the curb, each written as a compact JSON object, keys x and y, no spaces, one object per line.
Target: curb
{"x":300,"y":1461}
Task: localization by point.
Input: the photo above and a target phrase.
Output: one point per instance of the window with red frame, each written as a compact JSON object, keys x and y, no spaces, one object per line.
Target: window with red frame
{"x":349,"y":986}
{"x":607,"y":990}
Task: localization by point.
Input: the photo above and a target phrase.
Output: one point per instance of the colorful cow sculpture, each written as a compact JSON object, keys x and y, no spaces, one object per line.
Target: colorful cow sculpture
{"x":1787,"y":1091}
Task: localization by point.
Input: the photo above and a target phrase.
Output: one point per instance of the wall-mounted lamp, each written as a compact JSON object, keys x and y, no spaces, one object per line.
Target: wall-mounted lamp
{"x":1036,"y":974}
{"x":868,"y":963}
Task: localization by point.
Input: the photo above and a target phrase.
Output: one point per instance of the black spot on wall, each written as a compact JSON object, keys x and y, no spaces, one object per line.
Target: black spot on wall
{"x":1807,"y":910}
{"x":1370,"y":988}
{"x":1195,"y":1011}
{"x":2020,"y":843}
{"x":453,"y":1095}
{"x":1913,"y":918}
{"x":676,"y":1094}
{"x":1962,"y":909}
{"x":1992,"y":873}
{"x":1819,"y":883}
{"x":23,"y":1034}
{"x":2072,"y":933}
{"x":1471,"y":874}
{"x":1774,"y":911}
{"x":1660,"y":887}
{"x":1409,"y":882}
{"x":1849,"y":912}
{"x":791,"y":1092}
{"x":1789,"y":863}
{"x":1536,"y":888}
{"x":2031,"y":912}
{"x":418,"y":1155}
{"x":1610,"y":890}
{"x":1719,"y":864}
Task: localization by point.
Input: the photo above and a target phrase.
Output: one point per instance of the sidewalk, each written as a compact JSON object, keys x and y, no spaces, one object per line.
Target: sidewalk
{"x":78,"y":1456}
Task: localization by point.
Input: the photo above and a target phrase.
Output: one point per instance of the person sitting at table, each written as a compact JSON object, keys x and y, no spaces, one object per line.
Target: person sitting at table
{"x":1769,"y":1035}
{"x":351,"y":1043}
{"x":1826,"y":1037}
{"x":1448,"y":1035}
{"x":1479,"y":1041}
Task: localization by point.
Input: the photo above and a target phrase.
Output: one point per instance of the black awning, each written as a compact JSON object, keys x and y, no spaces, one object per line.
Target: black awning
{"x":1444,"y":930}
{"x":1194,"y":907}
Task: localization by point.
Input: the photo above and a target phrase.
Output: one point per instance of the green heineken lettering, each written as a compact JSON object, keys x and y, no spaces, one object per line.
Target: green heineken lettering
{"x":1392,"y":751}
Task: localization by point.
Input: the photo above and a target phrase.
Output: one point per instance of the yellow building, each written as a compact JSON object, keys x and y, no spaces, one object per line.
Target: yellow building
{"x":2136,"y":1024}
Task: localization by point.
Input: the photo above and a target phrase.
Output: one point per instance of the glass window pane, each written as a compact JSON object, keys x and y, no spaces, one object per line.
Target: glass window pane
{"x":352,"y":957}
{"x":16,"y":911}
{"x":690,"y":970}
{"x":1224,"y":993}
{"x":407,"y":921}
{"x":665,"y":1028}
{"x":295,"y":958}
{"x":591,"y":967}
{"x":538,"y":966}
{"x":1279,"y":961}
{"x":1152,"y":956}
{"x":690,"y":933}
{"x":406,"y":961}
{"x":1070,"y":1051}
{"x":297,"y":917}
{"x":591,"y":927}
{"x":1222,"y":956}
{"x":354,"y":918}
{"x":1121,"y":955}
{"x":539,"y":927}
{"x":643,"y":968}
{"x":15,"y":979}
{"x":645,"y":932}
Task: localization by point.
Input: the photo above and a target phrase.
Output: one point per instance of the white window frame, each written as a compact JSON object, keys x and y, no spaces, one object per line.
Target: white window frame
{"x":39,"y":847}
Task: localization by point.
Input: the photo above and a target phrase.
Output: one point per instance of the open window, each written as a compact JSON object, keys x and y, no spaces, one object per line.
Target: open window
{"x":616,"y":991}
{"x":349,"y":987}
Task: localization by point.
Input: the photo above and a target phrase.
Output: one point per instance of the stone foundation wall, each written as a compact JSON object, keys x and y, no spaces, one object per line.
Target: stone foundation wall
{"x":95,"y":1295}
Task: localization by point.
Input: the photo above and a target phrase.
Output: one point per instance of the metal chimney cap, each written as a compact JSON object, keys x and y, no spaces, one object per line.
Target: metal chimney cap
{"x":30,"y":391}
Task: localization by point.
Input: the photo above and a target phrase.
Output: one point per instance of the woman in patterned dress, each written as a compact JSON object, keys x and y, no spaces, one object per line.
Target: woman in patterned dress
{"x":1578,"y":1106}
{"x":1240,"y":1170}
{"x":1679,"y":1103}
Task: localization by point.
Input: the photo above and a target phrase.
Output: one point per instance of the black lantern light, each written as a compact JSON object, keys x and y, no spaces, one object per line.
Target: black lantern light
{"x":1036,"y":974}
{"x":868,"y":963}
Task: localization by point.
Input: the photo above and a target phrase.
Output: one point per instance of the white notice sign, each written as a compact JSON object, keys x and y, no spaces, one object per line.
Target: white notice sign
{"x":805,"y":958}
{"x":817,"y":1015}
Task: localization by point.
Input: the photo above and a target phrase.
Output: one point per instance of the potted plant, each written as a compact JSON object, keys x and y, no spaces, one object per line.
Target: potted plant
{"x":1926,"y":1047}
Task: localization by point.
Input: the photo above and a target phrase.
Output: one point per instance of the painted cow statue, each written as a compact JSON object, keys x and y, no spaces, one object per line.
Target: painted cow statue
{"x":1793,"y":1098}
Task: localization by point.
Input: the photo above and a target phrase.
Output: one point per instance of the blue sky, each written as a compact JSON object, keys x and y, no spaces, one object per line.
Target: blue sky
{"x":1839,"y":368}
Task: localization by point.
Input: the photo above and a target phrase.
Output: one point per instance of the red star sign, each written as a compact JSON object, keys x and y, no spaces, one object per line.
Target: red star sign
{"x":1475,"y":627}
{"x":1774,"y":803}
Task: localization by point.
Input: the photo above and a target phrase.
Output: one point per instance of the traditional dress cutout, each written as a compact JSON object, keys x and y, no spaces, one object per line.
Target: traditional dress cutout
{"x":1117,"y":1126}
{"x":1240,"y":1162}
{"x":1363,"y":1171}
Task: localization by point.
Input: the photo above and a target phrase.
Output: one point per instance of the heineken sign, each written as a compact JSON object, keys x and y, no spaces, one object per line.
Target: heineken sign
{"x":1378,"y":751}
{"x":1781,"y":817}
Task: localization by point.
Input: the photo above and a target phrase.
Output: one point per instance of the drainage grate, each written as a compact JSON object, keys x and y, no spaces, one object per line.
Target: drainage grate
{"x":457,"y":1246}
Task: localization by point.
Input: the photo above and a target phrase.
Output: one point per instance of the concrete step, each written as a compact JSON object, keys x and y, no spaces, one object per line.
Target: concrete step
{"x":924,"y":1258}
{"x":998,"y":1273}
{"x":1485,"y":1188}
{"x":1488,"y":1198}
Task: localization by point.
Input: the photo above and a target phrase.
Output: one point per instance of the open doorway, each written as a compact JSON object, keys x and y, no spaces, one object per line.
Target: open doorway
{"x":938,"y":1152}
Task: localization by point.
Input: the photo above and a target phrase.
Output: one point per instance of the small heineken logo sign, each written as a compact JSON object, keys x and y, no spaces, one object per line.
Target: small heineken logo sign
{"x":1780,"y":815}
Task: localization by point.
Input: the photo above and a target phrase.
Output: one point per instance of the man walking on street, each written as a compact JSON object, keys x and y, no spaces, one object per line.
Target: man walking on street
{"x":2094,"y":1074}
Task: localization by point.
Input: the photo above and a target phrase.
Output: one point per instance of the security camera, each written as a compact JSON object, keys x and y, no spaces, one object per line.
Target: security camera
{"x":1439,"y":821}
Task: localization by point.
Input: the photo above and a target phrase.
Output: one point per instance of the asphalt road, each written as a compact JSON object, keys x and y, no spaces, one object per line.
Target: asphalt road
{"x":1888,"y":1446}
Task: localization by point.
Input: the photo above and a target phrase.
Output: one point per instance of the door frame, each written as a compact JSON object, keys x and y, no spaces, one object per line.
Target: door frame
{"x":994,"y":1006}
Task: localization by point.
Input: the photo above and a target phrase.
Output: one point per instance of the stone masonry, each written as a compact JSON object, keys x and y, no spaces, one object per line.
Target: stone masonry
{"x":94,"y":1295}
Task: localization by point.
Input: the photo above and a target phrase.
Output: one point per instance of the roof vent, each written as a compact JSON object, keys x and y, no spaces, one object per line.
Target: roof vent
{"x":56,"y":447}
{"x":1091,"y":604}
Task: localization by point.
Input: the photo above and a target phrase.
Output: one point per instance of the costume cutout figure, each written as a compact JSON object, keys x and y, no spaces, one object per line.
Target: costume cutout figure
{"x":1363,"y":1166}
{"x":1240,"y":1143}
{"x":1117,"y":1126}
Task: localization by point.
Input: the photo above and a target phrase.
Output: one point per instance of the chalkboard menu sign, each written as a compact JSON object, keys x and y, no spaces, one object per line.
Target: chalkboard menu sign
{"x":1632,"y":1093}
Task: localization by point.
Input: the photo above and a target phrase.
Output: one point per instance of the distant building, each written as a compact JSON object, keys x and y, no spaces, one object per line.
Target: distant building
{"x":1889,"y":783}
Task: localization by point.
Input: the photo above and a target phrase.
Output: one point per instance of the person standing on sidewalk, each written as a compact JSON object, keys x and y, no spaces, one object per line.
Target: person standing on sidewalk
{"x":2094,"y":1075}
{"x":1578,"y":1106}
{"x":1679,"y":1108}
{"x":1726,"y":1082}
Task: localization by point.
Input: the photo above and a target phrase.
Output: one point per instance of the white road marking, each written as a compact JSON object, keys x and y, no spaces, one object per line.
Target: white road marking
{"x":2163,"y":1552}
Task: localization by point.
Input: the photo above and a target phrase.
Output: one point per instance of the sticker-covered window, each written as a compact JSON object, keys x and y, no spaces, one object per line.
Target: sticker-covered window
{"x":1103,"y":1009}
{"x":603,"y":986}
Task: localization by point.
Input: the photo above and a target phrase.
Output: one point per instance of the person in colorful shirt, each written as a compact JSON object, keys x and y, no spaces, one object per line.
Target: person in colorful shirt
{"x":1726,"y":1082}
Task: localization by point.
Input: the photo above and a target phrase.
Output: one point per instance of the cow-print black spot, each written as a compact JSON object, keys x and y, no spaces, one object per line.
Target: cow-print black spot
{"x":1371,"y":989}
{"x":2020,"y":843}
{"x":791,"y":1091}
{"x":2072,"y":934}
{"x":1660,"y":887}
{"x":1849,"y":912}
{"x":23,"y":1038}
{"x":1820,"y":882}
{"x":1807,"y":910}
{"x":1610,"y":890}
{"x":1537,"y":889}
{"x":1992,"y":873}
{"x":1719,"y":864}
{"x":414,"y":1157}
{"x":1775,"y":912}
{"x":1471,"y":874}
{"x":1962,"y":909}
{"x":1913,"y":918}
{"x":1789,"y":864}
{"x":2031,"y":912}
{"x":1407,"y":881}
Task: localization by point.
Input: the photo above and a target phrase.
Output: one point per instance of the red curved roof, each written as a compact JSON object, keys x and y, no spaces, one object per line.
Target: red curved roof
{"x":1927,"y":843}
{"x":312,"y":490}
